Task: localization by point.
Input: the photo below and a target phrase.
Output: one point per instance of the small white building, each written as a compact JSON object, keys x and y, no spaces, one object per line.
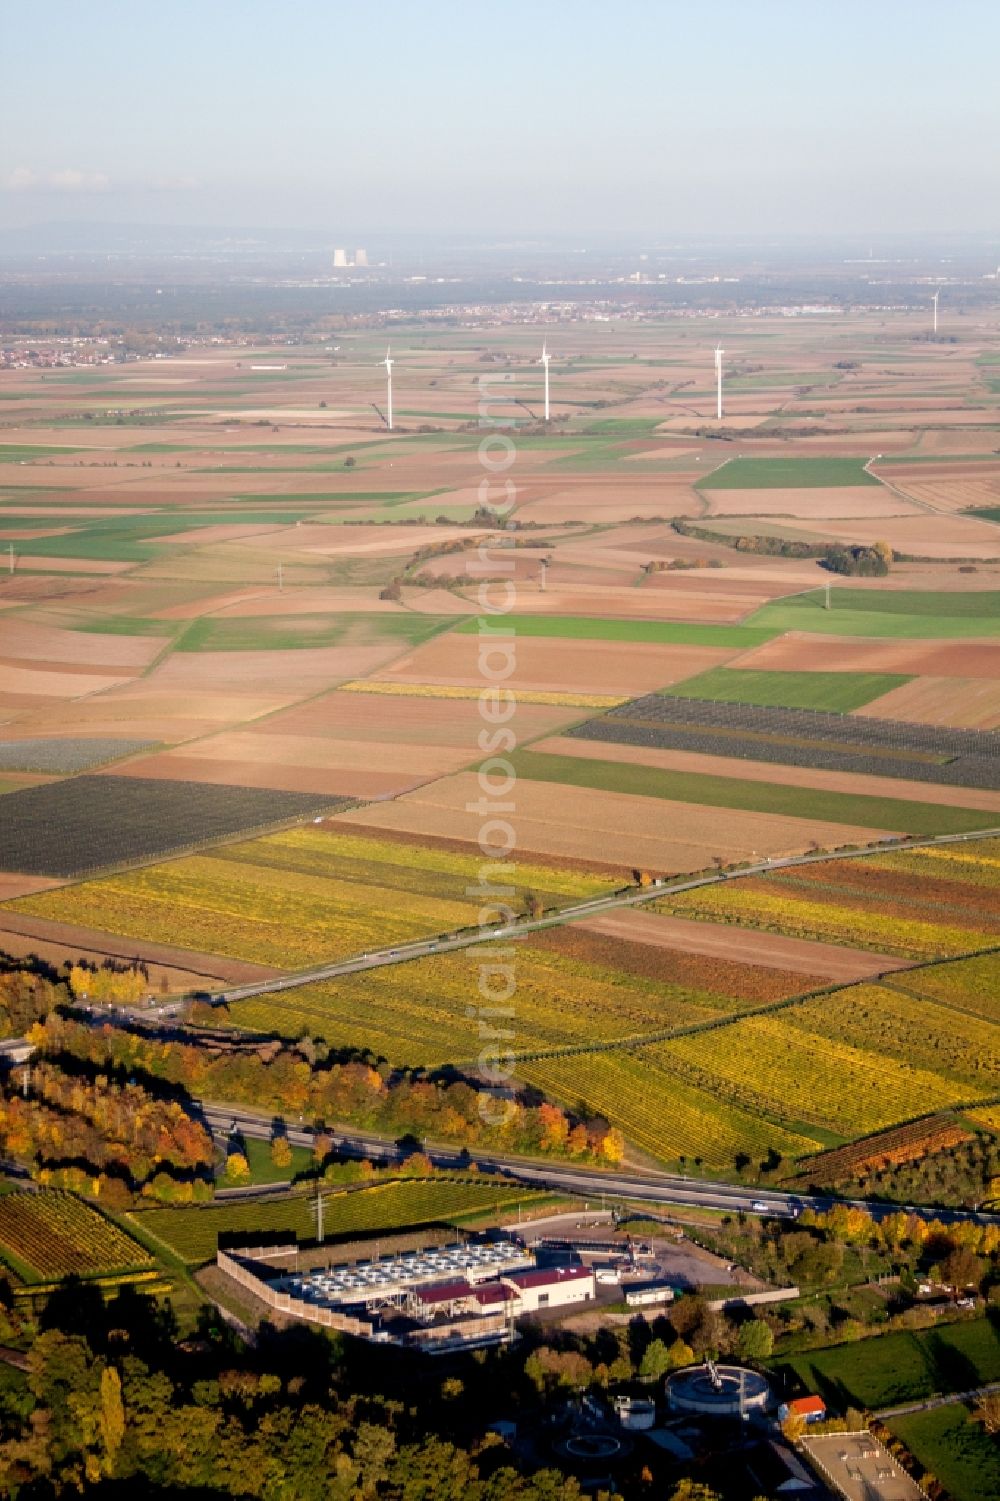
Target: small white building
{"x":552,"y":1287}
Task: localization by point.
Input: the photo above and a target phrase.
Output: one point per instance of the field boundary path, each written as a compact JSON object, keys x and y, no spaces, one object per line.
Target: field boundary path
{"x":940,"y":1400}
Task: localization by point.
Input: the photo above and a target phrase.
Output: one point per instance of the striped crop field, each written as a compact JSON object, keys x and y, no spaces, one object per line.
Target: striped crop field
{"x":52,"y":1234}
{"x":899,"y":902}
{"x":662,"y":1115}
{"x":522,"y":695}
{"x":296,"y":898}
{"x":768,"y":1066}
{"x":425,"y":1012}
{"x":193,"y":1232}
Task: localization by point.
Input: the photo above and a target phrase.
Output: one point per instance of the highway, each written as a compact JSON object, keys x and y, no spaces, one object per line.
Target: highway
{"x":633,"y":897}
{"x":652,"y":1188}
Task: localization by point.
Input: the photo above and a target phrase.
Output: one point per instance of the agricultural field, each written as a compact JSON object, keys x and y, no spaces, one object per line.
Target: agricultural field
{"x":954,"y":1448}
{"x":852,"y":811}
{"x":50,"y":1234}
{"x":659,"y":632}
{"x":829,"y":692}
{"x":894,"y":614}
{"x":236,"y":591}
{"x":84,"y":823}
{"x":896,"y":1368}
{"x":397,"y":1204}
{"x":787,"y":474}
{"x":664,"y":1116}
{"x":303,"y":896}
{"x":804,"y":737}
{"x":58,"y":756}
{"x":885,"y":1149}
{"x":917,"y":931}
{"x":572,"y":990}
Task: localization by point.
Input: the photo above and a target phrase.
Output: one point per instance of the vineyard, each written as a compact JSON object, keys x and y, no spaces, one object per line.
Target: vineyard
{"x":418,"y":1013}
{"x":909,"y":1143}
{"x":48,"y":1235}
{"x":296,"y":898}
{"x":770,"y":1067}
{"x":65,"y":756}
{"x":806,"y":737}
{"x":661,"y":1114}
{"x":759,"y":903}
{"x":398,"y":1204}
{"x":890,"y":1023}
{"x":89,"y":822}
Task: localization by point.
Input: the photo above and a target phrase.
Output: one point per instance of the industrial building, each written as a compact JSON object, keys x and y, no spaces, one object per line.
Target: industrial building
{"x":448,"y":1297}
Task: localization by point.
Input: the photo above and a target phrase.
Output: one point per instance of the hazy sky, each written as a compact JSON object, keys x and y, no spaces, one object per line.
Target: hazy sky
{"x":514,"y":119}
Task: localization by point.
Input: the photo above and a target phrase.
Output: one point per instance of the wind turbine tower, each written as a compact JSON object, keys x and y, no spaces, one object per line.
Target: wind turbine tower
{"x":545,"y":364}
{"x":719,"y":352}
{"x":388,"y":362}
{"x":934,"y":299}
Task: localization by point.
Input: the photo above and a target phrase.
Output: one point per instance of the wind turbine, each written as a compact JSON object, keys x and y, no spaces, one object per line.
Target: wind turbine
{"x":719,"y":352}
{"x":934,"y":299}
{"x":388,"y":363}
{"x":545,"y":364}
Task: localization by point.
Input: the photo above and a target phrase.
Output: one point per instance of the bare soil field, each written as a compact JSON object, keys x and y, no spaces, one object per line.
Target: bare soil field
{"x":315,"y":601}
{"x":945,"y":536}
{"x":412,"y":722}
{"x":861,"y":785}
{"x":292,"y":674}
{"x":12,"y":885}
{"x":52,"y":683}
{"x":614,"y":829}
{"x":819,"y":505}
{"x":280,"y":776}
{"x":819,"y":961}
{"x":970,"y":703}
{"x":21,"y":933}
{"x":28,"y":641}
{"x":799,"y":652}
{"x":559,"y":666}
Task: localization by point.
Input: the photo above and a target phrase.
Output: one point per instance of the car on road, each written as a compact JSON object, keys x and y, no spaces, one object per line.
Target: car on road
{"x":759,"y":1207}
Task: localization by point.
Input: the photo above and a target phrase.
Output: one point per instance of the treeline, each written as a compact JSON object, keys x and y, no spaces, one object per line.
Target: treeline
{"x":104,"y":1139}
{"x":113,"y":982}
{"x":859,"y":561}
{"x":26,"y":996}
{"x":287,"y":1421}
{"x":296,"y":1081}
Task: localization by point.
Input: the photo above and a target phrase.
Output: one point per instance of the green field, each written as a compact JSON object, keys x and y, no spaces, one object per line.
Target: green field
{"x":263,"y":1170}
{"x":787,"y":474}
{"x":395,"y":1205}
{"x":296,"y":632}
{"x":595,"y":628}
{"x":21,"y":453}
{"x":903,"y":1367}
{"x":833,"y":692}
{"x":757,"y":797}
{"x":986,"y":513}
{"x":905,"y":614}
{"x":955,"y":1449}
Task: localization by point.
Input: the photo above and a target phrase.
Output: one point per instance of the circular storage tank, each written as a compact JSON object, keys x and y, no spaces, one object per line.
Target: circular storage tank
{"x":722,"y":1391}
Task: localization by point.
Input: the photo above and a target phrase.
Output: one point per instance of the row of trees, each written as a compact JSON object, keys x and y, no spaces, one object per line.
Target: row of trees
{"x":108,"y":1140}
{"x":294,"y":1081}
